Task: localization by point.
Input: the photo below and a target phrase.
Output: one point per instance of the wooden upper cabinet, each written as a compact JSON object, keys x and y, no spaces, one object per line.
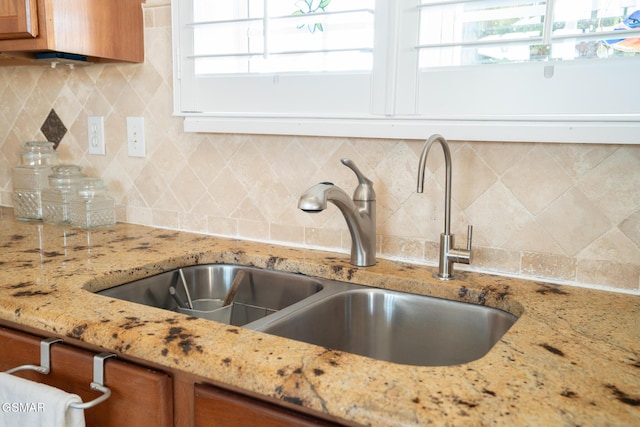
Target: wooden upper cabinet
{"x":101,"y":30}
{"x":18,"y":19}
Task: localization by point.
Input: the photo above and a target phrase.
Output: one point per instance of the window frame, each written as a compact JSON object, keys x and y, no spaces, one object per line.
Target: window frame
{"x":393,"y":105}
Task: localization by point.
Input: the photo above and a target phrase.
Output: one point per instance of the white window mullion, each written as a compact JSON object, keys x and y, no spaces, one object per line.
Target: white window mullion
{"x":265,"y":30}
{"x":384,"y":70}
{"x":547,"y":33}
{"x":395,"y":69}
{"x":185,"y":93}
{"x":407,"y":89}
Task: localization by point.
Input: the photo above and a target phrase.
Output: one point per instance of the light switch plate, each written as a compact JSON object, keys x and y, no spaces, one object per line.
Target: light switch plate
{"x":95,"y":127}
{"x":135,"y":137}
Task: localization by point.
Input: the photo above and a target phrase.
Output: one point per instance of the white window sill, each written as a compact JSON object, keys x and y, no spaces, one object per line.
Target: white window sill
{"x":624,"y":130}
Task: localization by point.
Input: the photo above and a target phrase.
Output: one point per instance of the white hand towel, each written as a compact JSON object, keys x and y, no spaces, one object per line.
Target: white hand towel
{"x":25,"y":403}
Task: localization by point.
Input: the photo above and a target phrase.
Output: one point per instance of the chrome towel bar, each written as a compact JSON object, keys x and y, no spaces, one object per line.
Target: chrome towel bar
{"x":45,"y":363}
{"x":98,"y":372}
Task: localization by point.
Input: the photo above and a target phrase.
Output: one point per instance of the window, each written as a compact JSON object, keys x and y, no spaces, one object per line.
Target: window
{"x":274,"y":58}
{"x":499,"y":70}
{"x":283,"y":36}
{"x":454,"y":33}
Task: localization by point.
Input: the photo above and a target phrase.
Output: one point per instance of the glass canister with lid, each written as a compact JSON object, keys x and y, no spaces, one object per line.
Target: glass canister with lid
{"x":30,"y":177}
{"x":64,"y":182}
{"x":92,"y":207}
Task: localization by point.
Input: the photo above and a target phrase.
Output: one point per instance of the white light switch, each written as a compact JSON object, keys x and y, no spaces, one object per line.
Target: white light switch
{"x":135,"y":136}
{"x":95,"y":127}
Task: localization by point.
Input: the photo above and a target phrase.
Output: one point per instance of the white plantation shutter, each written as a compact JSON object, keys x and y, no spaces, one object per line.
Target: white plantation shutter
{"x":499,"y":70}
{"x":257,"y":56}
{"x":547,"y":60}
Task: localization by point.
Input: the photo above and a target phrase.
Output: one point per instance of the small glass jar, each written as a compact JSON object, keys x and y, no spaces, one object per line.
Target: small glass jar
{"x":64,"y":182}
{"x":30,"y":177}
{"x":92,"y":207}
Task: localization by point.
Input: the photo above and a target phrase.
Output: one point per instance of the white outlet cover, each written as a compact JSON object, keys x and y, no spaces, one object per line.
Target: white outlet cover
{"x":135,"y":137}
{"x":95,"y":135}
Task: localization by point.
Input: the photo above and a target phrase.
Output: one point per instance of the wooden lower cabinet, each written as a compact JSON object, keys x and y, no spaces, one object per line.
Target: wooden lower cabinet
{"x":139,"y":396}
{"x":219,"y":407}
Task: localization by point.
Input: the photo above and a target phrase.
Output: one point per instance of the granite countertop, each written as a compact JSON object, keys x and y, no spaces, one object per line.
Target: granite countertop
{"x":573,"y":357}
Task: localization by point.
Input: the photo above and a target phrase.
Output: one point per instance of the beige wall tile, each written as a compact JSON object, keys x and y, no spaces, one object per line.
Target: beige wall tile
{"x":196,"y":222}
{"x":501,"y":156}
{"x":227,"y":191}
{"x":322,"y":237}
{"x":533,"y":238}
{"x":402,"y":247}
{"x":165,"y":219}
{"x":549,"y":266}
{"x":287,"y":233}
{"x":222,"y":226}
{"x":400,"y":169}
{"x":254,"y":230}
{"x":573,"y":221}
{"x":537,"y":180}
{"x":576,"y":160}
{"x":630,"y":226}
{"x":496,"y":216}
{"x":605,"y":273}
{"x":613,"y":186}
{"x":498,"y":260}
{"x":471,"y":176}
{"x":613,"y":246}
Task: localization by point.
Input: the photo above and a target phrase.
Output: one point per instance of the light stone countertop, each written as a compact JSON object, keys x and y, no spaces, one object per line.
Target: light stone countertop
{"x":573,"y":357}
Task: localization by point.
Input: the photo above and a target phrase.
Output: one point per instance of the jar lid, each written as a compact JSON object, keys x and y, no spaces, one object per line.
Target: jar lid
{"x":37,"y":153}
{"x":91,"y":186}
{"x":65,"y":175}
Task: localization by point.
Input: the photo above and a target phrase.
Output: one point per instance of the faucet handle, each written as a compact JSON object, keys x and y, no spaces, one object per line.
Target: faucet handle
{"x":364,"y":191}
{"x":451,"y":255}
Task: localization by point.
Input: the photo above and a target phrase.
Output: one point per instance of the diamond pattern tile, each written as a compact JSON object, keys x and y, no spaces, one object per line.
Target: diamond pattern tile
{"x":630,"y":226}
{"x":537,"y":180}
{"x":496,"y":216}
{"x":53,"y":128}
{"x":614,"y":185}
{"x":471,"y":176}
{"x":559,"y":211}
{"x":573,"y":221}
{"x":616,"y":244}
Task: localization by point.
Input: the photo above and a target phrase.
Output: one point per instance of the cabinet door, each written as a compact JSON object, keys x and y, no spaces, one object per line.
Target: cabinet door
{"x":217,"y":407}
{"x":139,"y":396}
{"x":18,"y":19}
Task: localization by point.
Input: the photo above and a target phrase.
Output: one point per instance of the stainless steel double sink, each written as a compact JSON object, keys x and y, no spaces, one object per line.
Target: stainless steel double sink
{"x":382,"y":324}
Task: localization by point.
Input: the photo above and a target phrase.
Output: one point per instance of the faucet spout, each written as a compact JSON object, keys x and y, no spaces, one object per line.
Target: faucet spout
{"x":360,"y":215}
{"x":315,"y":198}
{"x":448,"y":253}
{"x":447,"y":183}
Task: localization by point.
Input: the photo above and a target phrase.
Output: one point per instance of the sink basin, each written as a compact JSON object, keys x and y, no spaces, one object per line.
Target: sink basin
{"x":382,"y":324}
{"x":260,"y":293}
{"x":397,"y":327}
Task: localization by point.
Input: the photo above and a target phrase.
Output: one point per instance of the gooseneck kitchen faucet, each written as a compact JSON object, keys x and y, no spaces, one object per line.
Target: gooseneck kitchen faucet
{"x":448,"y":254}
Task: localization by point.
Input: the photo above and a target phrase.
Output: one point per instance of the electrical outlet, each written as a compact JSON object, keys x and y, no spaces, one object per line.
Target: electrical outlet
{"x":95,"y":126}
{"x":135,"y":136}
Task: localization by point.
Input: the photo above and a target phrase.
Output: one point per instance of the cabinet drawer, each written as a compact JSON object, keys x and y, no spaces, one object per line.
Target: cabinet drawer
{"x":218,"y":407}
{"x":139,"y":396}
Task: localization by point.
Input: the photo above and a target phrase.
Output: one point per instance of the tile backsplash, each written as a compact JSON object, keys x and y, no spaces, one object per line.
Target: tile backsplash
{"x":560,"y":212}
